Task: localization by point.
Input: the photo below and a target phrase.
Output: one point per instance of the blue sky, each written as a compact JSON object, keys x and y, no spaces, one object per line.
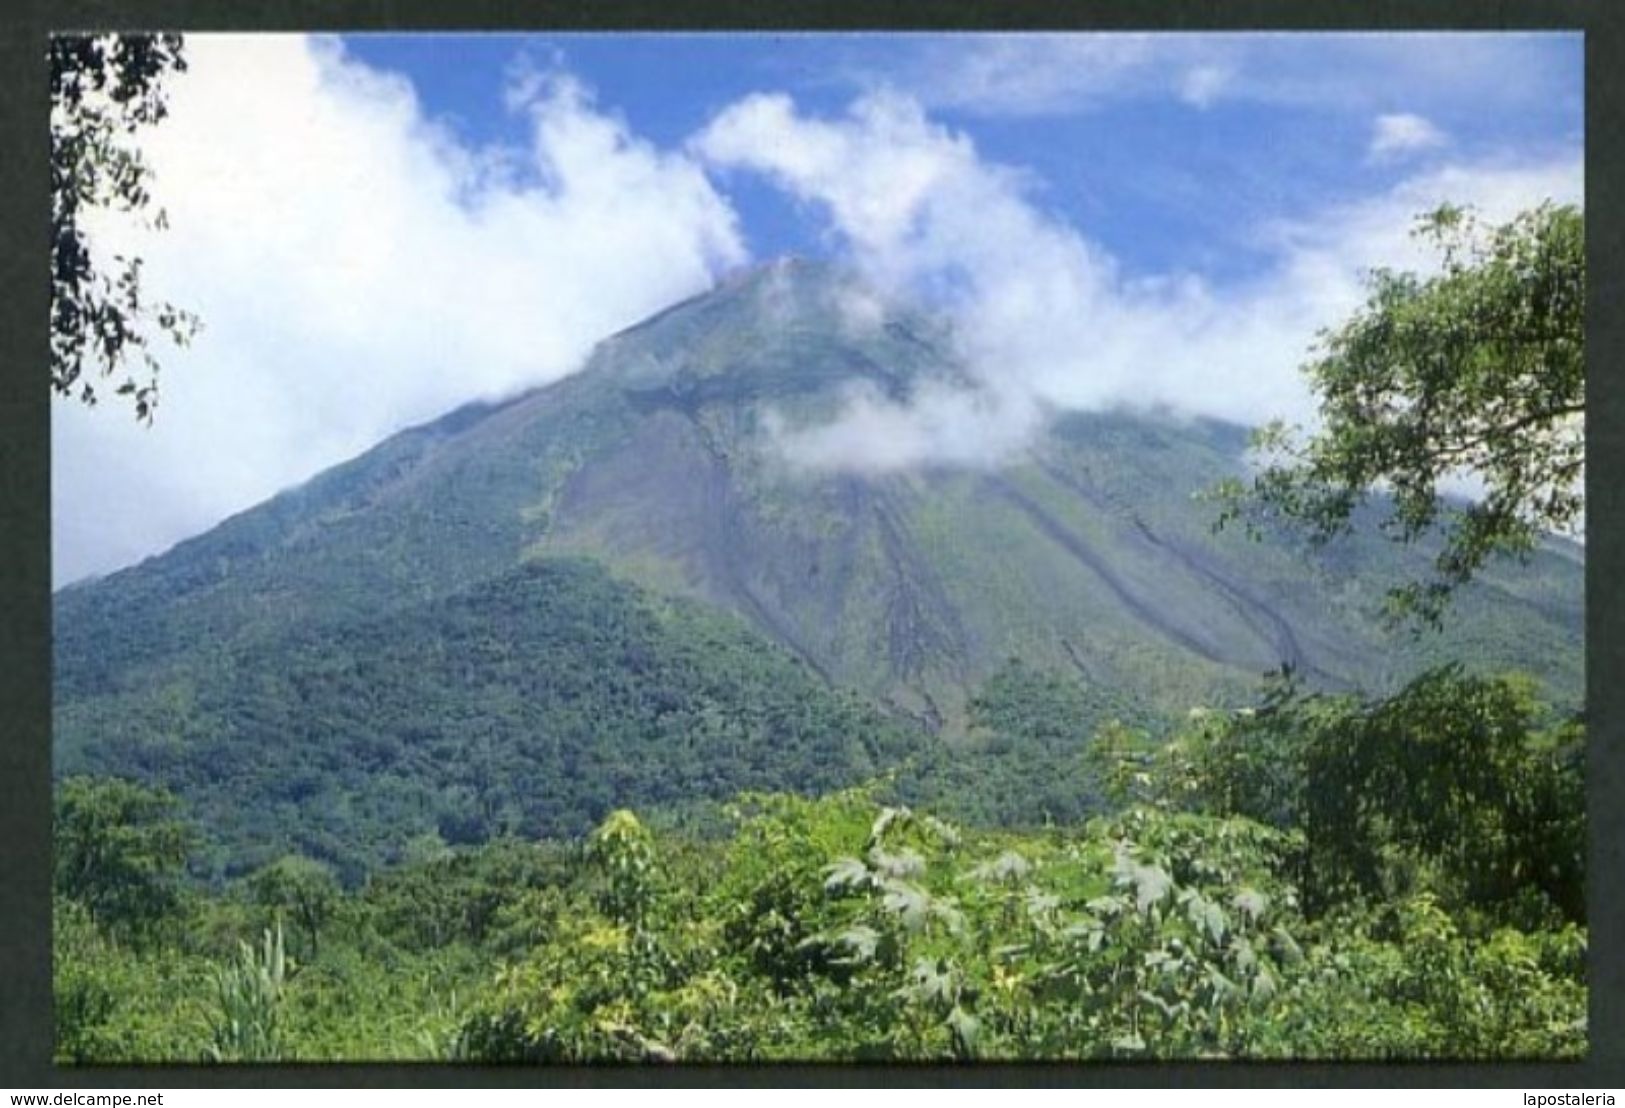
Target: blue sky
{"x":1163,"y":178}
{"x":377,"y":229}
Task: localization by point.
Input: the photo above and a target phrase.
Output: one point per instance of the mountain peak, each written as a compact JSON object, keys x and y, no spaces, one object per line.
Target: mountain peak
{"x":792,"y":289}
{"x":785,"y":326}
{"x":778,"y":268}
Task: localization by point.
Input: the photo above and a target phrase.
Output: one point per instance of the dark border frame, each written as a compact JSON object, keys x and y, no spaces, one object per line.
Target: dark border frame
{"x":25,"y":613}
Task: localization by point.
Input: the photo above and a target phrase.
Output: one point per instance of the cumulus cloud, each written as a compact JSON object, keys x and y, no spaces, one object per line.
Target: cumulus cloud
{"x":1393,"y":136}
{"x":359,"y":269}
{"x":940,"y":425}
{"x":1044,"y":319}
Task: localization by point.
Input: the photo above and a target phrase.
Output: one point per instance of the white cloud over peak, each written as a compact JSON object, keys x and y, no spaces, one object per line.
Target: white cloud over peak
{"x":1393,"y":136}
{"x":1044,"y":319}
{"x":358,"y":269}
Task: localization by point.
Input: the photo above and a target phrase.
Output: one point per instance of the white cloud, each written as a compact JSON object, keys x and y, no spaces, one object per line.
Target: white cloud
{"x":1032,"y":74}
{"x":939,"y":426}
{"x":357,"y":270}
{"x":1043,"y":317}
{"x":1393,"y":136}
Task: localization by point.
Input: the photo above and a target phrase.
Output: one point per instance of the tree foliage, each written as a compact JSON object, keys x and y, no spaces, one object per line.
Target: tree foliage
{"x":1460,"y":786}
{"x":531,"y":704}
{"x":1476,"y":370}
{"x":1201,"y":919}
{"x":303,"y":889}
{"x":841,"y":929}
{"x":120,"y":852}
{"x":105,"y":89}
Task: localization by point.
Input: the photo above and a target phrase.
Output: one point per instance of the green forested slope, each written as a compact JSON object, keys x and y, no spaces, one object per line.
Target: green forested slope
{"x":1232,"y":902}
{"x":531,"y":704}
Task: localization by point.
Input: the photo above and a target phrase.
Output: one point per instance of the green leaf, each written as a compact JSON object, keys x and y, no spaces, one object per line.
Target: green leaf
{"x":1131,"y":1043}
{"x":846,"y":873}
{"x":862,"y":940}
{"x":1264,"y":983}
{"x":1207,"y":917}
{"x":1285,"y":947}
{"x":887,"y":818}
{"x":910,"y":903}
{"x":1150,"y":882}
{"x":932,"y":979}
{"x":1007,"y":867}
{"x":905,"y":863}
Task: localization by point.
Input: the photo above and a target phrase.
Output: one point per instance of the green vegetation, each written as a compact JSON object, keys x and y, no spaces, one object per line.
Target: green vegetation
{"x":299,"y":889}
{"x":532,"y":704}
{"x":1022,"y":765}
{"x":118,"y":852}
{"x":248,"y":993}
{"x":353,"y":776}
{"x":1379,"y":896}
{"x":1478,"y":369}
{"x":105,"y":89}
{"x":443,"y":637}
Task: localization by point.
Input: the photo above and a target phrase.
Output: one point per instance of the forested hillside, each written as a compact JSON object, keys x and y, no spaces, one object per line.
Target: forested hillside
{"x":615,"y":591}
{"x":1315,"y":878}
{"x":1094,"y":553}
{"x":530,"y":705}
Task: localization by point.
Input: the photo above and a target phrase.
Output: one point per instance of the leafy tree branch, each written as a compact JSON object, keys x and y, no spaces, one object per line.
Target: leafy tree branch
{"x":1477,"y":372}
{"x":105,"y":89}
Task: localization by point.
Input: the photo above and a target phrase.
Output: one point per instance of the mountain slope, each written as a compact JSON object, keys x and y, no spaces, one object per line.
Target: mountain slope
{"x":1088,"y":557}
{"x":532,"y":703}
{"x":1091,"y":554}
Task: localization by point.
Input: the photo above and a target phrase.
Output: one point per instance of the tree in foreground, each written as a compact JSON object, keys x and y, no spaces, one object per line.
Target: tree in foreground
{"x":302,"y":888}
{"x":120,"y":852}
{"x":1476,"y":372}
{"x":105,"y":89}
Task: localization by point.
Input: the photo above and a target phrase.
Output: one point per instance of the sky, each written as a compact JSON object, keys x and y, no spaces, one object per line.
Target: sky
{"x":376,"y":229}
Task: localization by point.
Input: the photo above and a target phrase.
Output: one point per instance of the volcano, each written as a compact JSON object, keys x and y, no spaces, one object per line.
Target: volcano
{"x":619,"y":588}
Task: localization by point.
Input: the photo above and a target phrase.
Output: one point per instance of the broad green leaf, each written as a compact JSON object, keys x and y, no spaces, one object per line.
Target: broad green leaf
{"x":1007,"y":867}
{"x":862,"y":940}
{"x":846,"y":873}
{"x":1149,"y":882}
{"x":905,"y":863}
{"x":910,"y":903}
